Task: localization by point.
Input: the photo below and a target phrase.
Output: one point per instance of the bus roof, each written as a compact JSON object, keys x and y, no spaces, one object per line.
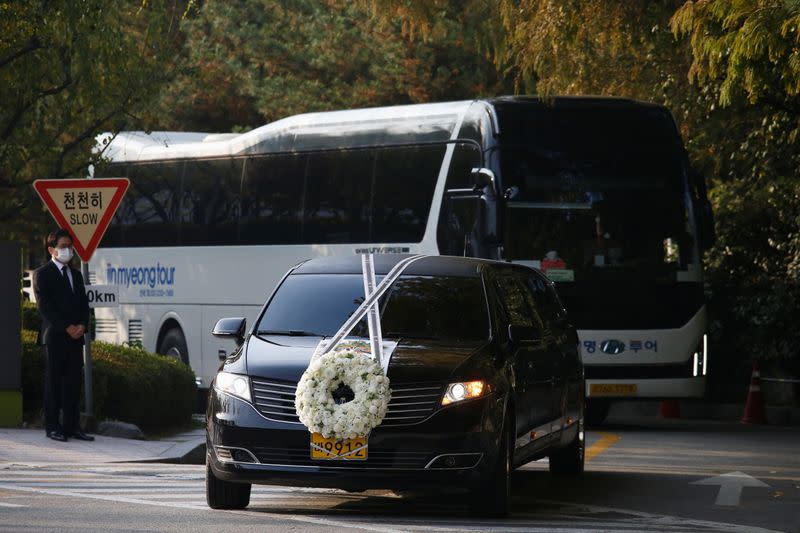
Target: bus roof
{"x":327,"y":130}
{"x":310,"y":131}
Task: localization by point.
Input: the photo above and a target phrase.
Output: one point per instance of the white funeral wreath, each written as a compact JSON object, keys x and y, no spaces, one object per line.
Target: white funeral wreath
{"x":319,"y":411}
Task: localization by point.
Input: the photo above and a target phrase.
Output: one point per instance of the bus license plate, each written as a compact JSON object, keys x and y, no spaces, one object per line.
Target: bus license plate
{"x":340,"y":449}
{"x":612,"y":389}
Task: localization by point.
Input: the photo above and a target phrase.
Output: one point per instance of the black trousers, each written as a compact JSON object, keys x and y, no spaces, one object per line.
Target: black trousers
{"x":62,"y":386}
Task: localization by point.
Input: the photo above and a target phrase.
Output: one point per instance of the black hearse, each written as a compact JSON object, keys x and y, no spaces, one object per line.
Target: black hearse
{"x":456,"y":321}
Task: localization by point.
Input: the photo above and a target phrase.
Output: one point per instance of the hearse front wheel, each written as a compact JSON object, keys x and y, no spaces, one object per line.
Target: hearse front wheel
{"x":493,"y":496}
{"x":570,"y":460}
{"x":224,"y":494}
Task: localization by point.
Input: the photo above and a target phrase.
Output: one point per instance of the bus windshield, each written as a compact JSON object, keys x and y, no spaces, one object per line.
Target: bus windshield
{"x":595,"y":192}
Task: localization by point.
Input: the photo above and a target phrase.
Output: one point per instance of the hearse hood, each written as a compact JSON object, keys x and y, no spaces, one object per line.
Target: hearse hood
{"x":413,"y":361}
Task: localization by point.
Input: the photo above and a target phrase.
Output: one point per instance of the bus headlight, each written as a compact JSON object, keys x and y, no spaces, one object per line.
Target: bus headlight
{"x":463,"y":390}
{"x":233,"y":384}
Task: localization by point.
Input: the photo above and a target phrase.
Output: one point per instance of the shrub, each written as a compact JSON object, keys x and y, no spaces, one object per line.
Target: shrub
{"x":31,"y":319}
{"x":130,"y":384}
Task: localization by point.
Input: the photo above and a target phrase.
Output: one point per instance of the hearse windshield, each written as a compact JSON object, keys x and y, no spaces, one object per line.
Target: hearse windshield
{"x":418,"y":307}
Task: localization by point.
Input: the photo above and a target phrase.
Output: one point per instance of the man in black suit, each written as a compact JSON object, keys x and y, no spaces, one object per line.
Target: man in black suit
{"x":61,"y":298}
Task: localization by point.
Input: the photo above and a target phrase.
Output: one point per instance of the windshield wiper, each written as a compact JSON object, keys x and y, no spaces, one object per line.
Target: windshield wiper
{"x":397,"y":334}
{"x":288,"y":332}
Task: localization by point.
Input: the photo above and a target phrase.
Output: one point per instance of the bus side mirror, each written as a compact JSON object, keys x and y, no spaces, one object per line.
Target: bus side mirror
{"x":231,"y":328}
{"x":483,"y":177}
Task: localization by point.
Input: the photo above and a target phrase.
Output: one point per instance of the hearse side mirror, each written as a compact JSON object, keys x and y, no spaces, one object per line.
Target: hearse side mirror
{"x":232,"y":328}
{"x":523,"y":334}
{"x":483,"y":177}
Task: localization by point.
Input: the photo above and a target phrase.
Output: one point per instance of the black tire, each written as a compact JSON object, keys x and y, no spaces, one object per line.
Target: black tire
{"x":596,"y":411}
{"x":492,"y":498}
{"x":224,"y":494}
{"x":173,"y":344}
{"x":570,"y":460}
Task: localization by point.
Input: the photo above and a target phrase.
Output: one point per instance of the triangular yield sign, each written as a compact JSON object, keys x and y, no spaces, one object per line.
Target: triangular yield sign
{"x":85,"y":207}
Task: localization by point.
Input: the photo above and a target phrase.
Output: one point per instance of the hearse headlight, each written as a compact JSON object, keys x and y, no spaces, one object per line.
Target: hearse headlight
{"x":464,"y":390}
{"x":233,"y":384}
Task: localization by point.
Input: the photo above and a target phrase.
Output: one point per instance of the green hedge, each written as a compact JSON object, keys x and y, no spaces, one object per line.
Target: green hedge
{"x":130,"y":384}
{"x":31,"y":319}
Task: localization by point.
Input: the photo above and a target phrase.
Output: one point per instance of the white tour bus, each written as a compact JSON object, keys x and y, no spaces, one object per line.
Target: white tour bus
{"x":596,"y":192}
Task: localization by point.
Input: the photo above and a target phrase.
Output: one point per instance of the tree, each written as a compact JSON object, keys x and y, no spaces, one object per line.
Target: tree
{"x":747,"y":52}
{"x":248,"y":62}
{"x":68,"y":71}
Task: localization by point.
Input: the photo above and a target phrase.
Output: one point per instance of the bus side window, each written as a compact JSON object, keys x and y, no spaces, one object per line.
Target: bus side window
{"x":150,"y":212}
{"x":405,"y":178}
{"x":272,"y":193}
{"x":337,"y":197}
{"x":210,"y":205}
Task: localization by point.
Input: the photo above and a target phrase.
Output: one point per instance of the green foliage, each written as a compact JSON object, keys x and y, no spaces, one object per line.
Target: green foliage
{"x":31,"y":319}
{"x":130,"y":384}
{"x":751,"y":46}
{"x":249,"y":62}
{"x":68,"y":71}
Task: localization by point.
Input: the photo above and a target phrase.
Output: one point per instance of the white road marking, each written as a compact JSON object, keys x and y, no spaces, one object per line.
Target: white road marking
{"x":3,"y":504}
{"x":184,"y":490}
{"x":730,"y":486}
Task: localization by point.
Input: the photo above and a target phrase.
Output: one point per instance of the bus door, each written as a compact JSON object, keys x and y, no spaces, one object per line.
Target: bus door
{"x":468,"y":218}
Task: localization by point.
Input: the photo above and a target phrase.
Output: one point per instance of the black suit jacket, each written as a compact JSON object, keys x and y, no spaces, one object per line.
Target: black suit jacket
{"x":58,"y":304}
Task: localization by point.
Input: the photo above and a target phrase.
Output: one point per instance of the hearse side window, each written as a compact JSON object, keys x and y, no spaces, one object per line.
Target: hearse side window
{"x":272,"y":193}
{"x":149,"y":212}
{"x":210,"y":204}
{"x":518,"y":300}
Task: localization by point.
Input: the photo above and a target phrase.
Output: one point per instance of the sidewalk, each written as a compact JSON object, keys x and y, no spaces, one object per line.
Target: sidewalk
{"x":31,"y":446}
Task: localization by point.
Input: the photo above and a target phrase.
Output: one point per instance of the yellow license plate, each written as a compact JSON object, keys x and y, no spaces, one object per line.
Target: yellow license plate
{"x":612,"y":389}
{"x":339,"y":449}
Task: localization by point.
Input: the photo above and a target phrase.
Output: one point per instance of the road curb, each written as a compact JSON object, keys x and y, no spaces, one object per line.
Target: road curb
{"x":185,"y":453}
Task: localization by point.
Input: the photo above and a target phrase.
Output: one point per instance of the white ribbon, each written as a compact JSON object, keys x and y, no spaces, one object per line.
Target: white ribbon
{"x":373,"y":314}
{"x":370,"y":302}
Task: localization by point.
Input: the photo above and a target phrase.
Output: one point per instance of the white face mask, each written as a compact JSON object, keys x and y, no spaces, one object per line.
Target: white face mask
{"x":64,"y":254}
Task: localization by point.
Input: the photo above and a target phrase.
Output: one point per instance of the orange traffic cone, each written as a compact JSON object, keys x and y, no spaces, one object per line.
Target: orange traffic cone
{"x":754,"y":408}
{"x":669,"y":409}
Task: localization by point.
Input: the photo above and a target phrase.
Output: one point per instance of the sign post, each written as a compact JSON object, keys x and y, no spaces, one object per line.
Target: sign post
{"x":85,"y":208}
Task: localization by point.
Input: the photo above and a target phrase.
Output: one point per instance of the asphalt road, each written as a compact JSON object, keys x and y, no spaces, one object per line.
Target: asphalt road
{"x":643,"y":475}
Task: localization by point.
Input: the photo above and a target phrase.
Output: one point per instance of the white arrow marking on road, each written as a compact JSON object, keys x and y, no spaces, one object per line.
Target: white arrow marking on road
{"x":730,"y":486}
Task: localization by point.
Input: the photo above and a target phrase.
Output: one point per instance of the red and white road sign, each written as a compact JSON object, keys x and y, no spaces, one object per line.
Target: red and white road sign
{"x":85,"y":207}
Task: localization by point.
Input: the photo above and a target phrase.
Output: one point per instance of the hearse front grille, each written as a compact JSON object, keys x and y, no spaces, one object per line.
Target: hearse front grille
{"x":301,"y":456}
{"x":411,"y":402}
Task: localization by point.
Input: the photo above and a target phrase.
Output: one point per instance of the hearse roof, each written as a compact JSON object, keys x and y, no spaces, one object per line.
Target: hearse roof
{"x":431,"y":265}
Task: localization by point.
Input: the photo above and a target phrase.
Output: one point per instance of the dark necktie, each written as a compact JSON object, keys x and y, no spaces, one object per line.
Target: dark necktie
{"x":66,"y":277}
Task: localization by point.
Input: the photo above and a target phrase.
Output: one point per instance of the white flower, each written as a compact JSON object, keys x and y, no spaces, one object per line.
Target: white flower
{"x":315,"y":405}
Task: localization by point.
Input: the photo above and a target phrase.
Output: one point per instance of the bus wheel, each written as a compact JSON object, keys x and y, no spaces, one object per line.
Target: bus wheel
{"x":173,"y":344}
{"x":596,"y":411}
